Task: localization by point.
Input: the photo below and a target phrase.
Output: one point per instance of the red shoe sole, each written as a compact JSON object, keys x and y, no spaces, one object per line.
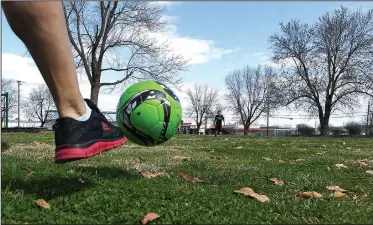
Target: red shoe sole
{"x":72,"y":154}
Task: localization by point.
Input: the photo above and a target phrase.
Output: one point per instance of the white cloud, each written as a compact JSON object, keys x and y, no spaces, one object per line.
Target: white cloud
{"x":262,"y":58}
{"x":20,"y":68}
{"x":16,"y":67}
{"x":196,"y":50}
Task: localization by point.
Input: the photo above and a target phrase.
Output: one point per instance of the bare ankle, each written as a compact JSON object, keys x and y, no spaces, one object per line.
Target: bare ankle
{"x":72,"y":109}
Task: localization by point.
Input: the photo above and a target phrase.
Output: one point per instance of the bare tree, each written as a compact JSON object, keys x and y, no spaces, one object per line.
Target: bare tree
{"x":251,"y":93}
{"x":331,"y":62}
{"x":116,"y":38}
{"x":8,"y":86}
{"x":203,"y":100}
{"x":38,"y":104}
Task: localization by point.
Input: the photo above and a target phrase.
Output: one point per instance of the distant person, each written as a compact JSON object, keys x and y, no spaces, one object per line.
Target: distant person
{"x":219,"y":118}
{"x":82,"y":131}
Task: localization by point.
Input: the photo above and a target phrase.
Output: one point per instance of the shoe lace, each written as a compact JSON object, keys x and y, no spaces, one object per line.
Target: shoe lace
{"x":95,"y":108}
{"x":90,"y":105}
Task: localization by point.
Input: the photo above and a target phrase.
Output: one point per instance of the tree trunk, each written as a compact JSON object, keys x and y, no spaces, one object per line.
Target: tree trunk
{"x":324,"y":122}
{"x":95,"y":90}
{"x":245,"y":130}
{"x":43,"y":123}
{"x":198,"y":127}
{"x":324,"y":125}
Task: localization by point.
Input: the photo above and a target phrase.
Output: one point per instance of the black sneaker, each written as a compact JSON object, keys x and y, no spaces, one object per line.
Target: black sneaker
{"x":83,"y":139}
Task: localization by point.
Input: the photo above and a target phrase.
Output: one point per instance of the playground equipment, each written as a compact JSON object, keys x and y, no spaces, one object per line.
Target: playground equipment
{"x":4,"y":110}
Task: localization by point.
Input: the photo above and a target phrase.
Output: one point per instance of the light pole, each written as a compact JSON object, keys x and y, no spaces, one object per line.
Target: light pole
{"x":19,"y":100}
{"x":267,"y":116}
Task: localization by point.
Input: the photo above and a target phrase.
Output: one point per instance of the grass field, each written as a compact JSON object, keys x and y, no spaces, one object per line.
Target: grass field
{"x":109,"y":188}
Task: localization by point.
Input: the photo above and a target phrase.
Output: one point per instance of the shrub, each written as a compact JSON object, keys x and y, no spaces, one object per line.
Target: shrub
{"x":305,"y":130}
{"x":336,"y":130}
{"x":353,"y":128}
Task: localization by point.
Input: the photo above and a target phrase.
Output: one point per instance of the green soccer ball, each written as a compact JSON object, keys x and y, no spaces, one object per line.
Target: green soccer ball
{"x":149,"y":113}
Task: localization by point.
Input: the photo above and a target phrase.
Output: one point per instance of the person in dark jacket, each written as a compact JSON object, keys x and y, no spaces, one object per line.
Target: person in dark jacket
{"x":219,"y":119}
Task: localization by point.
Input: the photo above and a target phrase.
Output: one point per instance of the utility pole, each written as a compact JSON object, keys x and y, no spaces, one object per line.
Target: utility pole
{"x":19,"y":100}
{"x":267,"y":117}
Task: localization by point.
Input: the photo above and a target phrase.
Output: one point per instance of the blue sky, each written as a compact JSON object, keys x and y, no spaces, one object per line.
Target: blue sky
{"x":232,"y":34}
{"x":242,"y":25}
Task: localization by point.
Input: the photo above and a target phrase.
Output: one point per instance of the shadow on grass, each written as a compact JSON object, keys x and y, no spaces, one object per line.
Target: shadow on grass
{"x":47,"y":187}
{"x":108,"y":172}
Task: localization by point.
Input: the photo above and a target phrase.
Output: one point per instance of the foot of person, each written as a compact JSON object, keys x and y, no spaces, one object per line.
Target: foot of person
{"x":84,"y":139}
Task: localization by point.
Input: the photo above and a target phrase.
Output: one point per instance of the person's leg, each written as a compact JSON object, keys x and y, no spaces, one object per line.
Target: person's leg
{"x":81,"y":131}
{"x":42,"y":28}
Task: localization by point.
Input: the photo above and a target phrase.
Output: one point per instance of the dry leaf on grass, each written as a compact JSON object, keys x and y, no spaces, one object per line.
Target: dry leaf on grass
{"x":222,"y":172}
{"x":281,"y":161}
{"x":184,"y":158}
{"x":340,"y":165}
{"x":251,"y":193}
{"x":277,"y":181}
{"x":148,"y":174}
{"x":266,"y":158}
{"x":149,"y":217}
{"x":369,"y":171}
{"x":338,"y":194}
{"x":81,"y":181}
{"x":365,"y":195}
{"x":320,"y":153}
{"x":335,"y":188}
{"x":363,"y":164}
{"x":309,"y":194}
{"x":191,"y":179}
{"x":29,"y":173}
{"x":42,"y":203}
